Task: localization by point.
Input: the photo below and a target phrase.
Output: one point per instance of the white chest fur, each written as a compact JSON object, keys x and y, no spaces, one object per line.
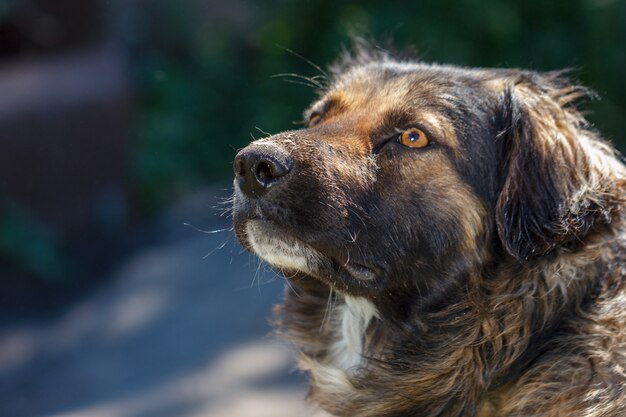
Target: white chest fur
{"x":351,"y":322}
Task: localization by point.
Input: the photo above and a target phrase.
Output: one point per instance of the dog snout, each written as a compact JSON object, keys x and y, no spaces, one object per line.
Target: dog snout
{"x":259,"y":167}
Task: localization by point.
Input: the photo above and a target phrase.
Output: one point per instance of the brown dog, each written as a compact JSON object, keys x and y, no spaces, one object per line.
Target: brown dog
{"x":454,"y":240}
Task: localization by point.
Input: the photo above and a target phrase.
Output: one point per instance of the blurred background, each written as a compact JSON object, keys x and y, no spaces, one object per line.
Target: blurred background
{"x":122,"y":289}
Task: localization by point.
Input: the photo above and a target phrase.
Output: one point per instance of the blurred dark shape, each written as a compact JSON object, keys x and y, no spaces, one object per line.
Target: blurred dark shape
{"x":65,"y":130}
{"x":33,"y":27}
{"x":64,"y":123}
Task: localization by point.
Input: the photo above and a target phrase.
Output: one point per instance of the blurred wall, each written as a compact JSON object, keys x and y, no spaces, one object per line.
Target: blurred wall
{"x":64,"y":114}
{"x":65,"y":143}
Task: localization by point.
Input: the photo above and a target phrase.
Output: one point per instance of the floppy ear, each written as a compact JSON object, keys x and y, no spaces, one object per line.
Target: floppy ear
{"x":559,"y":178}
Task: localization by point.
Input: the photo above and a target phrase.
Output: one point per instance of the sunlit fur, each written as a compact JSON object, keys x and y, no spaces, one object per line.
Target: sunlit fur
{"x":497,"y":251}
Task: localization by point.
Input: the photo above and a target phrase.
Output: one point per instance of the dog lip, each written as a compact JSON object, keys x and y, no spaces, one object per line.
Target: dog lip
{"x":357,"y":270}
{"x":344,"y":269}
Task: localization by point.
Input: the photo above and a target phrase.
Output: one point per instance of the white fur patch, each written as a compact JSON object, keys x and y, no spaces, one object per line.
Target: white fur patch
{"x":353,"y":319}
{"x":346,"y":352}
{"x":281,"y":253}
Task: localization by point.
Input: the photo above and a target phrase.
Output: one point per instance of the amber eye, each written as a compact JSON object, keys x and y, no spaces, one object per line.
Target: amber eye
{"x":314,"y":119}
{"x":414,"y":138}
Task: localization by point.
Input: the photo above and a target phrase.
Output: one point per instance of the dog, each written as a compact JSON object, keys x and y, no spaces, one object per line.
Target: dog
{"x":453,"y":240}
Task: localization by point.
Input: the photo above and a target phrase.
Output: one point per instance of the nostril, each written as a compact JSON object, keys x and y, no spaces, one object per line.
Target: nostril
{"x":268,"y":171}
{"x":264,"y":172}
{"x":258,"y":168}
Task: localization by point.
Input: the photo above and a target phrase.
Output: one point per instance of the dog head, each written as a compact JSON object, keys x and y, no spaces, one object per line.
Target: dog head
{"x":407,"y":175}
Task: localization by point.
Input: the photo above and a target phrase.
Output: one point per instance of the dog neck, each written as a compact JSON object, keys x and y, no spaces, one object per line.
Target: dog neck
{"x":351,"y":320}
{"x":362,"y":361}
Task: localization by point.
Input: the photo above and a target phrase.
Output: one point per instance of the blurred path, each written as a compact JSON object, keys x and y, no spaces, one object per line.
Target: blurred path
{"x":174,"y":332}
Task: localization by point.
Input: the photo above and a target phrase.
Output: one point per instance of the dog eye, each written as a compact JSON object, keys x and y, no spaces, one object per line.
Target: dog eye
{"x":413,"y":138}
{"x":314,"y":119}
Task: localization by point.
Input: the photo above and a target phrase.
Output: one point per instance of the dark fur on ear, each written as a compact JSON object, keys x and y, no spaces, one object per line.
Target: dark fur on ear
{"x":553,"y":194}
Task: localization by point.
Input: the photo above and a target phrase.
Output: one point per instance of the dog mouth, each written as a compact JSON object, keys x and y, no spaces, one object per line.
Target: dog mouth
{"x":284,"y":251}
{"x":355,"y":270}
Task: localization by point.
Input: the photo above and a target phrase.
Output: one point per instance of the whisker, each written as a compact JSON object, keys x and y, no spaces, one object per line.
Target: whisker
{"x":262,"y":131}
{"x":228,"y":212}
{"x":299,"y":83}
{"x":358,"y":216}
{"x":288,"y":280}
{"x":308,"y":61}
{"x":228,"y":198}
{"x":353,"y":236}
{"x":327,"y":311}
{"x":257,"y":272}
{"x":218,"y":247}
{"x":311,"y":81}
{"x":224,"y":206}
{"x":208,"y":232}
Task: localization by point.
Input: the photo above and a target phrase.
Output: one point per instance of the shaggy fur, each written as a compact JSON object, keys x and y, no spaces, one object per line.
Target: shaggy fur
{"x":481,"y":275}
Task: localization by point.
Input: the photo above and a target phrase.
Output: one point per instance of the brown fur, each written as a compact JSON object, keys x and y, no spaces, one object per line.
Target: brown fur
{"x":498,"y":253}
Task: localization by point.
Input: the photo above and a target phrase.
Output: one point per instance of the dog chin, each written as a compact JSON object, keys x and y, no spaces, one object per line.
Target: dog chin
{"x":281,"y":250}
{"x":291,"y":256}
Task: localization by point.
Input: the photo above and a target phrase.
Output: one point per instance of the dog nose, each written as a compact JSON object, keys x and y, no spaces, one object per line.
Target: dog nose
{"x":259,"y":167}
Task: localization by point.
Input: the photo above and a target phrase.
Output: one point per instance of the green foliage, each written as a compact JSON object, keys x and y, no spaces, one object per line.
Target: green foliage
{"x":206,"y":80}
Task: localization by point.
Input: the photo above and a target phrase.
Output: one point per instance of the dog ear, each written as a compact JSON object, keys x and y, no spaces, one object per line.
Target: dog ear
{"x":558,"y":176}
